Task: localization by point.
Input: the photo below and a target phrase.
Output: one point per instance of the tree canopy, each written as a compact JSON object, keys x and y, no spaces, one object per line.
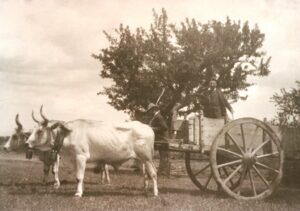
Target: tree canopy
{"x":288,"y":105}
{"x":181,"y":60}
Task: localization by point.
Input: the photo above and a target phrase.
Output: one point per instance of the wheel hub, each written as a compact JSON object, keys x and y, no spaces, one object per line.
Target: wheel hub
{"x":249,"y":160}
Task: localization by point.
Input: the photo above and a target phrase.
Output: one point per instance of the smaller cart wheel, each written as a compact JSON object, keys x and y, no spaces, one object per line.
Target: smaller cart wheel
{"x":251,"y":153}
{"x":199,"y":170}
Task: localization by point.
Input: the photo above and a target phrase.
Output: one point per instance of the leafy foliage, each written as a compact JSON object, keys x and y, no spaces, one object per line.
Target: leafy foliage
{"x":180,"y":60}
{"x":288,"y":104}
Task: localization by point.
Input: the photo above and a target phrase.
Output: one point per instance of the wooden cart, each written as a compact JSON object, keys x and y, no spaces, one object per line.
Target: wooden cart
{"x":244,"y":157}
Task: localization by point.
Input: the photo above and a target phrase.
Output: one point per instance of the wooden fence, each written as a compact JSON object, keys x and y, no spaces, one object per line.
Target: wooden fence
{"x":290,"y":138}
{"x":291,"y":144}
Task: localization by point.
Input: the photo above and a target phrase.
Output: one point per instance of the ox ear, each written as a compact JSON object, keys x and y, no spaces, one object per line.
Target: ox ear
{"x":65,"y":128}
{"x":62,"y":128}
{"x":54,"y":126}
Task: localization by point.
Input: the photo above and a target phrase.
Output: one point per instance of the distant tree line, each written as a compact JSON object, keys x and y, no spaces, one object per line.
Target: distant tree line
{"x":288,"y":105}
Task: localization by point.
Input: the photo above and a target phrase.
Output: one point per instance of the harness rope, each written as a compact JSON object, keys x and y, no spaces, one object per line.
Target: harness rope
{"x":58,"y":143}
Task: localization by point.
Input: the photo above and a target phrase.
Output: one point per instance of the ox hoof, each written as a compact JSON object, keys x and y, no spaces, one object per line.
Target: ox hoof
{"x":78,"y":194}
{"x":56,"y":185}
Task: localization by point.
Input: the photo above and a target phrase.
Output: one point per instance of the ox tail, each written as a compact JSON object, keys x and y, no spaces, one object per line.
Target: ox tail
{"x":152,"y":152}
{"x":151,"y":140}
{"x":152,"y":149}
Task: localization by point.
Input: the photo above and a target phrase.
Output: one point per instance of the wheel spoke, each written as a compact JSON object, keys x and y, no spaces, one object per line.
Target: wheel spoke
{"x":230,"y":152}
{"x":252,"y":137}
{"x":235,"y":143}
{"x":260,"y":146}
{"x":232,"y":174}
{"x":201,"y":170}
{"x":261,"y":176}
{"x":226,"y":173}
{"x":267,"y":155}
{"x":229,"y":164}
{"x":233,"y":169}
{"x":266,"y":167}
{"x":252,"y":182}
{"x":208,"y":180}
{"x":243,"y":137}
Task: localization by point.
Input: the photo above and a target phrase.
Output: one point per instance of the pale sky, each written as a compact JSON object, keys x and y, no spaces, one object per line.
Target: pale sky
{"x":46,"y":47}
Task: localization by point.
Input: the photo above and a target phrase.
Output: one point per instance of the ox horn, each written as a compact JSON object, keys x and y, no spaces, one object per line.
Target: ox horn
{"x":34,"y":119}
{"x":42,"y":115}
{"x":18,"y":122}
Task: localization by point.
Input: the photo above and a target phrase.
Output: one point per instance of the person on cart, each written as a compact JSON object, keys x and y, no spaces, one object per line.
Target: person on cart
{"x":160,"y":128}
{"x":215,"y":103}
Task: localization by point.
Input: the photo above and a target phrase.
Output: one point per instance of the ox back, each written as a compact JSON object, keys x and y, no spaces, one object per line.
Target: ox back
{"x":109,"y":142}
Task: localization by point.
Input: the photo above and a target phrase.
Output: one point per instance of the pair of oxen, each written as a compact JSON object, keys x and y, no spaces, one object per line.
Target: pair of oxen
{"x":83,"y":141}
{"x":17,"y":143}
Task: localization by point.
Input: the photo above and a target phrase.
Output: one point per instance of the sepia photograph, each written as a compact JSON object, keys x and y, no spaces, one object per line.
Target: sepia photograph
{"x":149,"y":105}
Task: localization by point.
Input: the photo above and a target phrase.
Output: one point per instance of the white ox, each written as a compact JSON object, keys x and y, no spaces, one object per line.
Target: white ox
{"x":94,"y":141}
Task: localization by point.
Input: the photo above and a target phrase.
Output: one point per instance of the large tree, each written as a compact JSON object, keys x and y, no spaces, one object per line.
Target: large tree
{"x":288,"y":105}
{"x":180,"y":60}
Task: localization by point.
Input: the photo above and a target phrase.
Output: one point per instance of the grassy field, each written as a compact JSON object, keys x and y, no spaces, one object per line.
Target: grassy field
{"x":21,"y":189}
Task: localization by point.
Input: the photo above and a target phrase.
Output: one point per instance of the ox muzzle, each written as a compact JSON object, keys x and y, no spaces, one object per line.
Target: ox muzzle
{"x":29,"y":153}
{"x":6,"y":149}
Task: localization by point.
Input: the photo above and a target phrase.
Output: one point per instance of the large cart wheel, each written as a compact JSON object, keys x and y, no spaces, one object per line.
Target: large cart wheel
{"x":199,"y":170}
{"x":251,"y":153}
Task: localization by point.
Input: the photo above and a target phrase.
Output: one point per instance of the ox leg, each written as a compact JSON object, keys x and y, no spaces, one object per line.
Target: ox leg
{"x":146,"y":178}
{"x":106,"y":170}
{"x":102,"y":174}
{"x":151,"y":170}
{"x":46,"y":170}
{"x":80,"y":169}
{"x":101,"y":166}
{"x":55,"y":172}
